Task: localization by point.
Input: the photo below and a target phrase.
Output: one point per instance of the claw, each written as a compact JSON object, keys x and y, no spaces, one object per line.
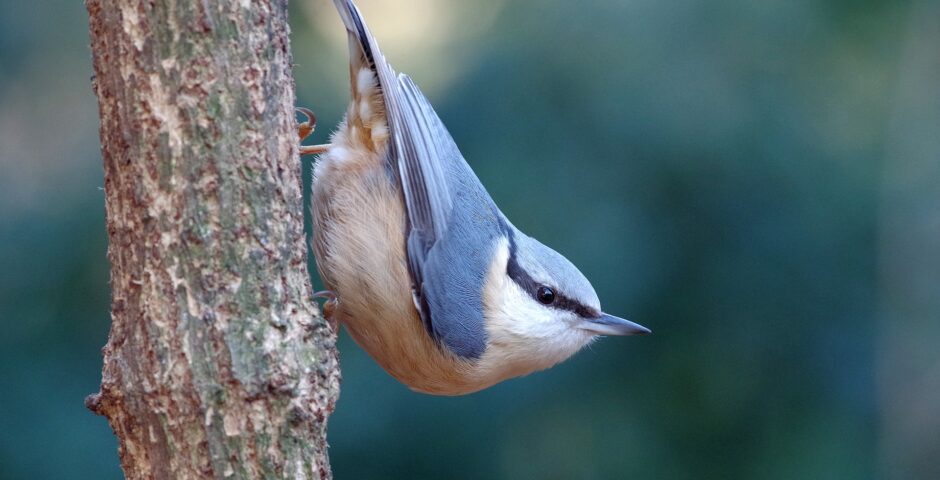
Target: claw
{"x":306,"y":128}
{"x":329,"y":307}
{"x":327,"y":294}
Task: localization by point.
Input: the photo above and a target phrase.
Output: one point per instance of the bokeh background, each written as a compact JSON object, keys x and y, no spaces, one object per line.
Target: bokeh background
{"x":757,"y":181}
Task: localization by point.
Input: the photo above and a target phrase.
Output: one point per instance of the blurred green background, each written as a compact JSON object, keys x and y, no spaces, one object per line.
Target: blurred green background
{"x":757,"y":181}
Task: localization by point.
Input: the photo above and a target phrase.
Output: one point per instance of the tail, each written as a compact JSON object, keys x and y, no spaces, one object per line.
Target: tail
{"x":402,"y":124}
{"x":370,"y":77}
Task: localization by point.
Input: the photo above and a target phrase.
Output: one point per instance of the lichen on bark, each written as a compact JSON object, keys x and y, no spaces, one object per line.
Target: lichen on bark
{"x":218,"y":364}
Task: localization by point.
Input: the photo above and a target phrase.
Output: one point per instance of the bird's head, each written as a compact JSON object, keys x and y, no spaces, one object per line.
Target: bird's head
{"x":539,"y":308}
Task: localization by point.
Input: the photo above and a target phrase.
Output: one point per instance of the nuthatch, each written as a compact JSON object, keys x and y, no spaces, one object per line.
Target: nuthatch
{"x":428,"y":275}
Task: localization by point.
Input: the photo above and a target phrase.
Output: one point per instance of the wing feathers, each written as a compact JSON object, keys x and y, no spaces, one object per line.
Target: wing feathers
{"x":418,"y":144}
{"x":420,"y":165}
{"x":415,"y":134}
{"x":452,"y":222}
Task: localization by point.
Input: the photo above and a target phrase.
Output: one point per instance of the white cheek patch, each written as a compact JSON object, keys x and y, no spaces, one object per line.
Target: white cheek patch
{"x":532,"y":320}
{"x":524,"y":335}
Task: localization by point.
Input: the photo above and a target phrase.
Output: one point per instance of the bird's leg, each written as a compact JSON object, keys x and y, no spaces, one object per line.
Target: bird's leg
{"x":314,"y":149}
{"x":329,"y":306}
{"x":305,"y":129}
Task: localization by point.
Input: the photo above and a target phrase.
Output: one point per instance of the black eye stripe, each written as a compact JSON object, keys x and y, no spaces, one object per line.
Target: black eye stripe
{"x":530,"y":286}
{"x":571,"y":305}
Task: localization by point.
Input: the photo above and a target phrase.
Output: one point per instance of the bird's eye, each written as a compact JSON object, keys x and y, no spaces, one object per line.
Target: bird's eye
{"x":545,"y":295}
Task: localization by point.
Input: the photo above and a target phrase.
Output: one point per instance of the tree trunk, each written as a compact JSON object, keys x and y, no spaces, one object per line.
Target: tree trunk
{"x":218,"y":364}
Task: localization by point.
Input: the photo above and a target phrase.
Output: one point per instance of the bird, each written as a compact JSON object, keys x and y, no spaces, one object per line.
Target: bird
{"x":421,"y":267}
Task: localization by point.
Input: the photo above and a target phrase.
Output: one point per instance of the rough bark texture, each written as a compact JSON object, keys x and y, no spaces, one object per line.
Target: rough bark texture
{"x":218,"y":364}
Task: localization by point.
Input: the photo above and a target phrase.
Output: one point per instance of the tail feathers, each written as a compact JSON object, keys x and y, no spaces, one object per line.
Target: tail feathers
{"x":369,"y":75}
{"x":361,"y":43}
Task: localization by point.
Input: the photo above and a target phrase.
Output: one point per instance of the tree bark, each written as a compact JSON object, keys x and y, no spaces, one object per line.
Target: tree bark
{"x":218,"y":364}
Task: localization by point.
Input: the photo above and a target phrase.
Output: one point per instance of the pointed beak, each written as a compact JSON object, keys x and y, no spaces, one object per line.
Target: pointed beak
{"x":611,"y":325}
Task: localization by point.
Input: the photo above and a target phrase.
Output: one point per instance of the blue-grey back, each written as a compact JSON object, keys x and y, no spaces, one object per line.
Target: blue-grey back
{"x":456,"y":266}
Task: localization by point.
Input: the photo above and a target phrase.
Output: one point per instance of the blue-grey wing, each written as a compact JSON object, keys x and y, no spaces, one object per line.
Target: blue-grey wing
{"x":453,"y":224}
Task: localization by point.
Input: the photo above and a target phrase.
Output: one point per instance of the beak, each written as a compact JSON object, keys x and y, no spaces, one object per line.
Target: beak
{"x":611,"y":325}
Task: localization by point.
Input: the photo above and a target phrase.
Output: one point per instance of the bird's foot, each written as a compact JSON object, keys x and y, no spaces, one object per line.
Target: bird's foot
{"x":305,"y":129}
{"x":329,"y":307}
